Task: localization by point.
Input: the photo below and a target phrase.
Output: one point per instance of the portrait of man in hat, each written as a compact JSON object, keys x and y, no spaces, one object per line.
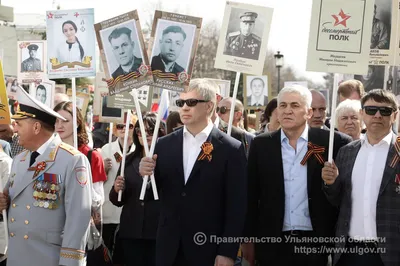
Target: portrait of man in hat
{"x":244,"y":43}
{"x":32,"y":64}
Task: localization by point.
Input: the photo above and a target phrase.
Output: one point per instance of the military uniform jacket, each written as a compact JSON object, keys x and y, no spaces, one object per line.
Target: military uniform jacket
{"x":243,"y":46}
{"x":31,"y":65}
{"x":50,"y":207}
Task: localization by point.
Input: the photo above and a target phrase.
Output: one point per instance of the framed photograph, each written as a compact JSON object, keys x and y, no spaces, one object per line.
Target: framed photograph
{"x":82,"y":101}
{"x":340,"y":32}
{"x":109,"y":115}
{"x":224,"y":87}
{"x":100,"y":91}
{"x":31,"y":66}
{"x":12,"y":86}
{"x":243,"y":39}
{"x":256,"y":92}
{"x":174,"y":40}
{"x":44,"y":92}
{"x":123,"y":53}
{"x":71,"y":43}
{"x":61,"y":88}
{"x":383,"y":42}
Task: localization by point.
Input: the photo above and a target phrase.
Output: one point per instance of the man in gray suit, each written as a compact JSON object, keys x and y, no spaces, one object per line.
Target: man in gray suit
{"x":48,"y":195}
{"x":365,"y":185}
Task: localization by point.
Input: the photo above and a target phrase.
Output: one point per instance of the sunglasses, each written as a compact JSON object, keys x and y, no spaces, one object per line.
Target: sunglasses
{"x":122,"y":126}
{"x":384,"y":111}
{"x":189,"y":102}
{"x":223,"y":110}
{"x":149,"y":131}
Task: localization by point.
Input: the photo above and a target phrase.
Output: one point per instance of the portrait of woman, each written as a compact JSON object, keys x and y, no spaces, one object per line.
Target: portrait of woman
{"x":71,"y":50}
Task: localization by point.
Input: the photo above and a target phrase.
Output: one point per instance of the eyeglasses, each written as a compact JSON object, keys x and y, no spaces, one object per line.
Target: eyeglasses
{"x":223,"y":110}
{"x":149,"y":131}
{"x":122,"y":126}
{"x":383,"y":110}
{"x":189,"y":102}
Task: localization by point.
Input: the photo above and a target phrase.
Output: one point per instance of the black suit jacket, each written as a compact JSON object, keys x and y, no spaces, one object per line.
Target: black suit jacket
{"x":266,"y":191}
{"x":139,"y":218}
{"x":212,"y":202}
{"x":119,"y":71}
{"x":157,"y":64}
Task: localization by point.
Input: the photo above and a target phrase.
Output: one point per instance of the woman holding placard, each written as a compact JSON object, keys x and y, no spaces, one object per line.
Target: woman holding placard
{"x":139,"y":219}
{"x":72,"y":50}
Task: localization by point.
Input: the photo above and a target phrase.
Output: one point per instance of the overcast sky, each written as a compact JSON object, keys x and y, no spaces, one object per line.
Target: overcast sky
{"x":289,"y":29}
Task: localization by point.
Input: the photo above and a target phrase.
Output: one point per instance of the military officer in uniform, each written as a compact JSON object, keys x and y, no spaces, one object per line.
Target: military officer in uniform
{"x":48,"y":195}
{"x":32,"y":64}
{"x":244,"y":43}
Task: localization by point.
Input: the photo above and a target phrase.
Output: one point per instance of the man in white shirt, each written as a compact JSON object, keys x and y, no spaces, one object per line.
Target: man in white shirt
{"x":366,"y":186}
{"x":202,"y":175}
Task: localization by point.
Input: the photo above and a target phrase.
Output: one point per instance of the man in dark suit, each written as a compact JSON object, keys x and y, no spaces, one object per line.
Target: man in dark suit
{"x":171,"y":44}
{"x":365,"y":186}
{"x":201,"y":173}
{"x":123,"y":47}
{"x":285,"y":198}
{"x":257,"y":97}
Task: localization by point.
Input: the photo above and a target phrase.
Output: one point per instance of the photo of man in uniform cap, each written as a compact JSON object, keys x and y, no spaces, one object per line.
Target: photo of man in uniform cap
{"x":123,"y":47}
{"x":32,"y":64}
{"x":244,"y":43}
{"x":171,"y":44}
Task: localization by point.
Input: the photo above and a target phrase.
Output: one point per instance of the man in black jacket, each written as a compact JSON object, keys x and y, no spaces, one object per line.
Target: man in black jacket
{"x":286,"y":202}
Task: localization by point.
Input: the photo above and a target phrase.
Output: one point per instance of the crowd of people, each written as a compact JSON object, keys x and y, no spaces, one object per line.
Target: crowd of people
{"x":266,"y":194}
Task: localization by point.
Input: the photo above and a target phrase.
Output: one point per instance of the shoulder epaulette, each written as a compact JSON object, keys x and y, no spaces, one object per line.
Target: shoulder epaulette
{"x":256,"y":37}
{"x":232,"y":34}
{"x":69,"y":148}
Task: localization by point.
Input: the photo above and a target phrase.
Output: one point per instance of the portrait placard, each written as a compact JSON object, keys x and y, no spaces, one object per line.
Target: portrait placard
{"x":12,"y":87}
{"x":243,"y":39}
{"x":383,"y":41}
{"x":373,"y":79}
{"x":32,"y":58}
{"x":255,"y":92}
{"x":340,"y":34}
{"x":224,"y":87}
{"x":82,"y":101}
{"x":173,"y":41}
{"x":4,"y":108}
{"x":71,"y":43}
{"x":44,"y":92}
{"x":123,"y":53}
{"x":125,"y":100}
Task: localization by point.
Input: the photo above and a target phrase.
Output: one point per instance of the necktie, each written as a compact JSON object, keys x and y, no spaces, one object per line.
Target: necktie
{"x":34,"y":155}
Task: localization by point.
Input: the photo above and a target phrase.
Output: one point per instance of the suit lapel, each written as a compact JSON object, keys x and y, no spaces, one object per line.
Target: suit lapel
{"x":179,"y":155}
{"x":214,"y":138}
{"x":29,"y":172}
{"x":389,"y":172}
{"x":277,"y":158}
{"x":311,"y":162}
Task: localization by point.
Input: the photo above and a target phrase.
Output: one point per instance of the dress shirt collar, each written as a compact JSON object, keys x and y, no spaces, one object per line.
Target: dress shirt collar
{"x":167,"y":69}
{"x":216,"y":122}
{"x":43,"y":148}
{"x":304,"y":135}
{"x":206,"y":131}
{"x":385,"y":141}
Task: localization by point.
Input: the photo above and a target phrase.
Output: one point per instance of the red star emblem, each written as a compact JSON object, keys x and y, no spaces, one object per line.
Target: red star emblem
{"x":50,"y":15}
{"x":341,"y":18}
{"x":76,"y":14}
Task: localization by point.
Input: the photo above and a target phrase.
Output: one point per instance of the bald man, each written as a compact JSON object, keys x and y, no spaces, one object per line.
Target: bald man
{"x":318,"y":105}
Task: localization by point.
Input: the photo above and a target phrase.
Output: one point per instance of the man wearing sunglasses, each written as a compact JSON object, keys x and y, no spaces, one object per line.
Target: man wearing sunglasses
{"x":365,"y":185}
{"x":202,"y":175}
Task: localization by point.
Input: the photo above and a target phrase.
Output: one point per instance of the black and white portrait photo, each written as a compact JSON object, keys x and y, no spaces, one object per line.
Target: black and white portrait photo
{"x":381,"y":25}
{"x":108,"y":111}
{"x":256,"y":91}
{"x":32,"y":58}
{"x":172,"y":47}
{"x":244,"y":34}
{"x":374,"y":79}
{"x":122,"y":48}
{"x":44,"y":93}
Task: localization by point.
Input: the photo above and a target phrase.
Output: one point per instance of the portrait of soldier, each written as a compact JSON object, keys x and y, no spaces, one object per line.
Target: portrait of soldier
{"x":123,"y":48}
{"x":31,"y":64}
{"x":41,"y":94}
{"x":380,"y":34}
{"x":171,"y":44}
{"x":244,"y":43}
